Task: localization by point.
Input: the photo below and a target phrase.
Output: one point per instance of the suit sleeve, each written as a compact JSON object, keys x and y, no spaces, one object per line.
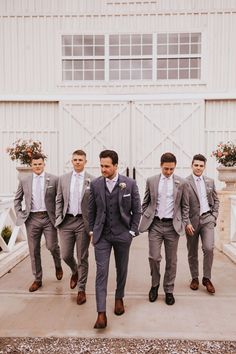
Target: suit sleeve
{"x":59,"y":200}
{"x":215,"y":207}
{"x":92,"y":208}
{"x":18,"y":199}
{"x":147,"y":198}
{"x":135,"y":208}
{"x":185,"y":204}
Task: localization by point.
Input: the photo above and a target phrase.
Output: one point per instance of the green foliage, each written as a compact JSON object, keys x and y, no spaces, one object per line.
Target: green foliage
{"x":225,"y":154}
{"x":6,"y":233}
{"x":22,"y":150}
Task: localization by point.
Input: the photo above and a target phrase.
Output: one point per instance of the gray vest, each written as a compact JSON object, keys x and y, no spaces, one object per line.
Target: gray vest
{"x":113,"y":224}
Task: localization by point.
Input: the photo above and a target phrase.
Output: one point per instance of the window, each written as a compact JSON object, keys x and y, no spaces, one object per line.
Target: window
{"x":162,"y":56}
{"x":178,"y":56}
{"x":83,"y":57}
{"x":130,"y":57}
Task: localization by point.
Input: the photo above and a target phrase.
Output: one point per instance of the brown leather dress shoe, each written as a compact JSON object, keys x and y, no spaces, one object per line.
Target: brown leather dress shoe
{"x":119,"y":307}
{"x":35,"y":286}
{"x":194,"y":284}
{"x":74,"y":280}
{"x":59,"y":273}
{"x":81,"y":297}
{"x":208,"y":284}
{"x":101,"y":321}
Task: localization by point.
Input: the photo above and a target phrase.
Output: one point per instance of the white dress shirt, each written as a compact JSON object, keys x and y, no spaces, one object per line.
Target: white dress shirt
{"x":169,"y":210}
{"x":35,"y":192}
{"x":72,"y":188}
{"x":204,"y":205}
{"x":111,"y":182}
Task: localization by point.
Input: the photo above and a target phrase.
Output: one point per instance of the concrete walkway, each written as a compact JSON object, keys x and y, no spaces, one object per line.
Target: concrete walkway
{"x":52,"y":310}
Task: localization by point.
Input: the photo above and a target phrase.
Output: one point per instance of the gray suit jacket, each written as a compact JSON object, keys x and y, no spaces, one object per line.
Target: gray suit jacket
{"x":181,"y":206}
{"x":25,"y":191}
{"x":63,"y":195}
{"x":129,"y":205}
{"x":194,"y":203}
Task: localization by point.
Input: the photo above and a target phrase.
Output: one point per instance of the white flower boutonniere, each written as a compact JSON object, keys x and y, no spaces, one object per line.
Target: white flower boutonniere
{"x":177,"y":182}
{"x":122,"y":185}
{"x":87,"y":181}
{"x":47,"y":179}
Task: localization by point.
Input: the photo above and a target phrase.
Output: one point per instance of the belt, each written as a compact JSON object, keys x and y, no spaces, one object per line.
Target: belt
{"x":39,"y":213}
{"x":164,"y":219}
{"x":207,"y":212}
{"x":73,"y":216}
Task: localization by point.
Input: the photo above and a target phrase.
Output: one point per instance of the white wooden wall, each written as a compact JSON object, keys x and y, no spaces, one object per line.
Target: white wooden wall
{"x":139,"y":130}
{"x":25,"y":120}
{"x":30,"y":40}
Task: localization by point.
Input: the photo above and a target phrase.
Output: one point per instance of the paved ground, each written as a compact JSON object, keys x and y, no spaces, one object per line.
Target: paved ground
{"x":52,"y":311}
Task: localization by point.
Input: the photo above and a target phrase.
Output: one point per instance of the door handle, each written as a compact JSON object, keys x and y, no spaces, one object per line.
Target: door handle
{"x":127,"y":172}
{"x":134,"y":173}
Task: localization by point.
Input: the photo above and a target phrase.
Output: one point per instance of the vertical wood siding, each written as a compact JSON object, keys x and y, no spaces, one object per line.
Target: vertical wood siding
{"x":27,"y":121}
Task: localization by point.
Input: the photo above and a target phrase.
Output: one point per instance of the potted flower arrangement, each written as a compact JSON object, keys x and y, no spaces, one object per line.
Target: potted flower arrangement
{"x":225,"y":155}
{"x":22,"y":150}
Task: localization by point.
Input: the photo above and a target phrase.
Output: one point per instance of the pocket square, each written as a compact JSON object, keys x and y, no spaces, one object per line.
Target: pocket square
{"x":126,"y":195}
{"x":49,"y":187}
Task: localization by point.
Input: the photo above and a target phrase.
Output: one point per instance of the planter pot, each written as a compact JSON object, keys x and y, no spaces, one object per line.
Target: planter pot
{"x":23,"y":170}
{"x":227,"y":175}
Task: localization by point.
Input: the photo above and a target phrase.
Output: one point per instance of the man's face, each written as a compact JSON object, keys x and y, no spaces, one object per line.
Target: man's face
{"x":167,"y":168}
{"x":198,"y":167}
{"x":78,"y":162}
{"x":38,"y":166}
{"x":108,"y":170}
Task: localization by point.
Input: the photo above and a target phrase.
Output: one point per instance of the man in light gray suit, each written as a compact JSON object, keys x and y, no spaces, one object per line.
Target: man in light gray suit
{"x":114,"y":214}
{"x":39,"y":193}
{"x":165,"y":215}
{"x":203,"y":213}
{"x":72,"y":221}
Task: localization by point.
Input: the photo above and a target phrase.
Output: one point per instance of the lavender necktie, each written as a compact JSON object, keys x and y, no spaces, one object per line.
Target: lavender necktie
{"x":163,"y":199}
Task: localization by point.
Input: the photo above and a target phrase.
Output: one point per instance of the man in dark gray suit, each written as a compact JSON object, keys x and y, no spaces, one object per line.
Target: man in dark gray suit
{"x":114,"y":214}
{"x":203,"y":213}
{"x":165,"y":215}
{"x":39,"y":193}
{"x":72,"y":221}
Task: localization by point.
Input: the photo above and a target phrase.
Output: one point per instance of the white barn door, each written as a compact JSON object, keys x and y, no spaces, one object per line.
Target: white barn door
{"x":139,"y":131}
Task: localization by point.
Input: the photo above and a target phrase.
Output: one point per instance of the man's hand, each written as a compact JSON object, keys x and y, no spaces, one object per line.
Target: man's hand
{"x":190,"y":230}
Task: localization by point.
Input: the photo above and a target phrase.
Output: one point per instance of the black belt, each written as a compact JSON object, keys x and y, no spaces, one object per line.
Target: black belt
{"x":207,"y":212}
{"x":164,"y":219}
{"x":73,"y":216}
{"x":39,"y":213}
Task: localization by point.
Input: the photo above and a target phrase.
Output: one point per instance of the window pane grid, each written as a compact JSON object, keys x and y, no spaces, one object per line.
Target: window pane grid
{"x":130,"y":56}
{"x":178,"y":56}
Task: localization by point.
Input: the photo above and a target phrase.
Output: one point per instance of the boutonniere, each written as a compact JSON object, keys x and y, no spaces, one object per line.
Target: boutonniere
{"x":177,"y":182}
{"x":47,"y":179}
{"x":87,"y":181}
{"x":122,"y":185}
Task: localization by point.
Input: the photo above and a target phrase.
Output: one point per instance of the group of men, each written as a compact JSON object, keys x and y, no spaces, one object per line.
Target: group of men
{"x":107,"y":212}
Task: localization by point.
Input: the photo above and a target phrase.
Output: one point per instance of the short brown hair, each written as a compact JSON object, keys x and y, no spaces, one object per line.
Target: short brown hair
{"x":79,"y":152}
{"x":168,"y":157}
{"x":199,"y":157}
{"x":38,"y":156}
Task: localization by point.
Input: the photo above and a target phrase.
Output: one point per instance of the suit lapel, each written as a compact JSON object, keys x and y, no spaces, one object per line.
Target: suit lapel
{"x":30,"y":185}
{"x":67,"y":186}
{"x":46,"y":182}
{"x":121,"y":192}
{"x":156,"y":186}
{"x":85,"y":184}
{"x":193,"y":185}
{"x":101,"y":185}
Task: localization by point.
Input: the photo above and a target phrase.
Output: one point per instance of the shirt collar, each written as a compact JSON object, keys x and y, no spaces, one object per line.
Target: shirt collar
{"x":81,"y":174}
{"x":115,"y":179}
{"x":168,"y":178}
{"x":196,"y":178}
{"x":41,"y":175}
